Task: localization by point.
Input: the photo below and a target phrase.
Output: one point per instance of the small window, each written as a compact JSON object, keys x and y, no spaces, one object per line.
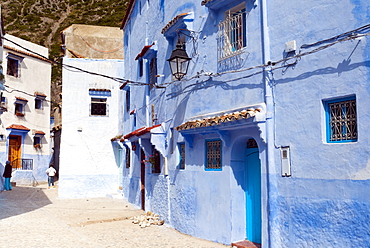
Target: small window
{"x":12,"y":67}
{"x":182,"y":156}
{"x":38,"y":103}
{"x":37,"y":142}
{"x":156,"y":164}
{"x":19,"y":109}
{"x":341,"y":118}
{"x":141,"y":67}
{"x":232,"y":35}
{"x":153,"y":72}
{"x":213,"y":155}
{"x":128,"y":100}
{"x":128,"y":157}
{"x":99,"y":106}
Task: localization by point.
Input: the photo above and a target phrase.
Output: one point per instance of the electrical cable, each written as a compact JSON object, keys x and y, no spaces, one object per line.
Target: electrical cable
{"x":120,"y":80}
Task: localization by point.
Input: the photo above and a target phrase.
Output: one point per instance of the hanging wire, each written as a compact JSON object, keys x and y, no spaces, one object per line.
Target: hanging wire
{"x":117,"y":79}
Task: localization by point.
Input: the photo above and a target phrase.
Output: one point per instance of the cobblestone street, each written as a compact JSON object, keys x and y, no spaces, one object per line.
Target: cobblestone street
{"x":36,"y":217}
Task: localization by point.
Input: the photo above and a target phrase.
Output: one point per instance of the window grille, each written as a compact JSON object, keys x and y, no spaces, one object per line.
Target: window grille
{"x":213,"y":152}
{"x":99,"y":106}
{"x":232,"y":34}
{"x":342,"y":121}
{"x":182,"y":156}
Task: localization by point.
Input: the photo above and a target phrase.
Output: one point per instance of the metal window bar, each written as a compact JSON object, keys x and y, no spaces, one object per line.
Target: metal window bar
{"x":213,"y":154}
{"x":25,"y":164}
{"x":99,"y":106}
{"x":343,"y":121}
{"x":232,"y":35}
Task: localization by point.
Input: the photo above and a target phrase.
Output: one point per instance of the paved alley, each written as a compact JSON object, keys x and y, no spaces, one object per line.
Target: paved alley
{"x":36,"y":217}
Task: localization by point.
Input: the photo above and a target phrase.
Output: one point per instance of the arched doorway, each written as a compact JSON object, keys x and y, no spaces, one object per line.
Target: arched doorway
{"x":253,"y":192}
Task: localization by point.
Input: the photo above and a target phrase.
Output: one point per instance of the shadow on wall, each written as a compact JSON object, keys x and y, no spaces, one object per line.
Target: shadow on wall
{"x":16,"y":199}
{"x":342,"y":67}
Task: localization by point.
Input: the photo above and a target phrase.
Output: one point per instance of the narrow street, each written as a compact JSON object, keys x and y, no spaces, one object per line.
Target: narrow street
{"x":36,"y":217}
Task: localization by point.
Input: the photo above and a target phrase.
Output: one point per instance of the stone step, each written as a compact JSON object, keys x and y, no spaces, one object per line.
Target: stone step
{"x":245,"y":244}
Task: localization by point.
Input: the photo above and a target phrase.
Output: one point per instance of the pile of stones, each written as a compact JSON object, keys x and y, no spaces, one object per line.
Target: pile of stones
{"x":147,"y":219}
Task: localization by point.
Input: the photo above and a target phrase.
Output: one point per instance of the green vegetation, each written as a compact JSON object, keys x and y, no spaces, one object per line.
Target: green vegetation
{"x":40,"y":21}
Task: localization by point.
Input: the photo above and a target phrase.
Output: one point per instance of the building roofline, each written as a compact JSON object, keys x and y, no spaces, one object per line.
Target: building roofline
{"x":27,"y":54}
{"x":128,"y":13}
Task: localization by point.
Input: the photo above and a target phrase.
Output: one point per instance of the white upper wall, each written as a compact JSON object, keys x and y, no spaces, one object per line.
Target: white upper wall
{"x":44,"y":51}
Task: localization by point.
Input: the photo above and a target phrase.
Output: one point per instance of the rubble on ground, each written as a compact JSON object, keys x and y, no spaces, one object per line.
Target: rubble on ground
{"x":147,"y":219}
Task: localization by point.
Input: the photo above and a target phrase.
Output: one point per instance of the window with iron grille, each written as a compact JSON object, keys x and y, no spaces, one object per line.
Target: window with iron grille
{"x":213,"y":155}
{"x":99,"y":106}
{"x":232,"y":35}
{"x":341,"y":120}
{"x":182,"y":156}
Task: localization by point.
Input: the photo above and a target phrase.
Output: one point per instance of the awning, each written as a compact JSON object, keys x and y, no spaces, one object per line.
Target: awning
{"x":149,"y":136}
{"x":143,"y":51}
{"x":139,"y":132}
{"x":181,"y":21}
{"x":18,"y":128}
{"x":223,"y":123}
{"x":219,"y":119}
{"x":38,"y":133}
{"x":21,"y":100}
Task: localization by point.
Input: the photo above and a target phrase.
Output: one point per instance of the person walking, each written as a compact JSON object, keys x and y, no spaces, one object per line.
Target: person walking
{"x":7,"y":175}
{"x":51,"y":174}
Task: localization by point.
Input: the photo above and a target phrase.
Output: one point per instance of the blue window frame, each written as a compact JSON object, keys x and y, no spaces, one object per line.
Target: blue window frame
{"x":341,"y":119}
{"x":181,"y":147}
{"x":213,"y":155}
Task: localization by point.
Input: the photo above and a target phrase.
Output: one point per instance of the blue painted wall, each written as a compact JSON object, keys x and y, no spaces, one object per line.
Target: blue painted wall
{"x":317,"y":205}
{"x":324,"y":203}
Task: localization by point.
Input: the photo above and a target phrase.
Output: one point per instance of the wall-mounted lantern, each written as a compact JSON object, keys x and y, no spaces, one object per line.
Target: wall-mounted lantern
{"x":179,"y":61}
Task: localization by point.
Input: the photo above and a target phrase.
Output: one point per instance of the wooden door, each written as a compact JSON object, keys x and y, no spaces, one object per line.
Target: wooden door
{"x":142,"y":179}
{"x":14,"y":153}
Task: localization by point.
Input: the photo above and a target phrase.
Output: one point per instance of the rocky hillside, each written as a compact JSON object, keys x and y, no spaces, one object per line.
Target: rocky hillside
{"x":41,"y":21}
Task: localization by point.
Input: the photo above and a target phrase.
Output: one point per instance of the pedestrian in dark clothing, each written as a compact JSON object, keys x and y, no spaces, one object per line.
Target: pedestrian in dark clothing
{"x":7,"y":175}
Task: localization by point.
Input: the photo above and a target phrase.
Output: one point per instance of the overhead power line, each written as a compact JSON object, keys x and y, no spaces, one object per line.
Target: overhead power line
{"x":117,"y":79}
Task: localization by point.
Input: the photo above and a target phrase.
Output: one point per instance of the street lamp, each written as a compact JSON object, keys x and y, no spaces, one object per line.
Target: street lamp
{"x":179,"y":62}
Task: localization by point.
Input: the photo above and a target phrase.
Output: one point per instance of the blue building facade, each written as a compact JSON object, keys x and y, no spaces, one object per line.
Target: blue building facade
{"x":264,"y":138}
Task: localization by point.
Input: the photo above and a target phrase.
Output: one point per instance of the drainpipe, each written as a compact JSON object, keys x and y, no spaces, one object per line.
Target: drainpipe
{"x":266,"y":242}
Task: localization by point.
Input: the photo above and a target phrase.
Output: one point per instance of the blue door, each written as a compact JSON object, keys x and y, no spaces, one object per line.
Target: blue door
{"x":253,"y":195}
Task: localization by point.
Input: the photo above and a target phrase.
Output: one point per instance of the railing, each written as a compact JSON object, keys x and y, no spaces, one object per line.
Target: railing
{"x":22,"y":164}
